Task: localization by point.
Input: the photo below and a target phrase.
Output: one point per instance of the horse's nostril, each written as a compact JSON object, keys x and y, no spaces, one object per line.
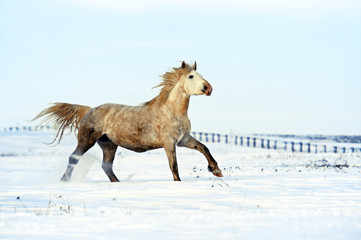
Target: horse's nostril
{"x":205,"y":88}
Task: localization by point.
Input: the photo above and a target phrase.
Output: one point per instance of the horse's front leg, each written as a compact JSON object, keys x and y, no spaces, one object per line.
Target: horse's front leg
{"x":170,"y":151}
{"x":190,"y":142}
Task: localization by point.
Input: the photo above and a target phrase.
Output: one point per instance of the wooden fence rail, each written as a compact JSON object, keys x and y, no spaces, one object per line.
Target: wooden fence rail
{"x":276,"y":144}
{"x":245,"y":141}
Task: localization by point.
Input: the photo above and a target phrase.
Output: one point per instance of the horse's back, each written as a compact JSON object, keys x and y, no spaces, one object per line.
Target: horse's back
{"x":109,"y":114}
{"x":131,"y":127}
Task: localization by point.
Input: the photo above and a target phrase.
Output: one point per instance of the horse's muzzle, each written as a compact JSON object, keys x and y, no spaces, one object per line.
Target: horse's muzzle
{"x":207,"y":89}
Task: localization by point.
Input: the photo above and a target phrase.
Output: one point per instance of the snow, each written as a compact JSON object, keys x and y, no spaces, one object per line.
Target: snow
{"x":265,"y":194}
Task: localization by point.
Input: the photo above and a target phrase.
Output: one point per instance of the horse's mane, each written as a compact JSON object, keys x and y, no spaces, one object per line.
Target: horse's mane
{"x":170,"y":79}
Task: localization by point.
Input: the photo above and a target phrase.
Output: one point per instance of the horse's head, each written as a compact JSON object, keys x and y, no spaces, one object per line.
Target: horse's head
{"x":194,"y":83}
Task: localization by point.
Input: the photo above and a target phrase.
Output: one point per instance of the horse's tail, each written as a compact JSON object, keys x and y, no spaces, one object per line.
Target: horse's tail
{"x":63,"y":116}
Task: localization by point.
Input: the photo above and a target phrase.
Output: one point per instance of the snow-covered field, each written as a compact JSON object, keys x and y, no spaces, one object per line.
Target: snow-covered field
{"x":265,"y":194}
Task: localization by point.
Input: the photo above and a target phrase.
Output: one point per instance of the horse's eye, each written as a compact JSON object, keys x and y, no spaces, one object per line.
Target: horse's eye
{"x":190,"y":76}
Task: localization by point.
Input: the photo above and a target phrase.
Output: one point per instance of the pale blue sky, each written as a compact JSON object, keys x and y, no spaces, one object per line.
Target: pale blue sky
{"x":275,"y":66}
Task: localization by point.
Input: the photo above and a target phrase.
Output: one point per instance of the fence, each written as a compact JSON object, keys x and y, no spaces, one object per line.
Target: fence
{"x":245,"y":141}
{"x":276,"y":143}
{"x":25,"y":128}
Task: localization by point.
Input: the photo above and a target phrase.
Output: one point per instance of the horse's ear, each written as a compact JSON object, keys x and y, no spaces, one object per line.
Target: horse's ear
{"x":183,"y":64}
{"x":195,"y":66}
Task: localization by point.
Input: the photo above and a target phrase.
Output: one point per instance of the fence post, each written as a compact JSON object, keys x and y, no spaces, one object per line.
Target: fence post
{"x":285,"y":146}
{"x":206,"y":135}
{"x":301,"y":149}
{"x":262,"y":143}
{"x":292,"y":146}
{"x":235,"y":140}
{"x":309,"y":147}
{"x":335,"y":149}
{"x":254,"y":142}
{"x":248,"y":138}
{"x":241,"y":140}
{"x":226,"y":139}
{"x":200,"y":136}
{"x":324,"y":148}
{"x":275,"y":146}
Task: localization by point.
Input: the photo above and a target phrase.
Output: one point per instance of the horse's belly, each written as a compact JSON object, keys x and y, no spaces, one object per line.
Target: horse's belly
{"x":139,"y":148}
{"x":137,"y":143}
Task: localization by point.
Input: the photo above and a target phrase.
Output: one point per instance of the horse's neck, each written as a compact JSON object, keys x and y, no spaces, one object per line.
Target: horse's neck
{"x":178,"y":102}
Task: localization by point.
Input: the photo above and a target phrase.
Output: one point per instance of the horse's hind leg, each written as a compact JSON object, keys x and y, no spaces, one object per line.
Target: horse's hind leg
{"x":109,"y":149}
{"x":73,"y":160}
{"x":84,"y":144}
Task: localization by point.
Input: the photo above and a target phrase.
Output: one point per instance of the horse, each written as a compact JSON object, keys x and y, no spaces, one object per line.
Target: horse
{"x":159,"y":123}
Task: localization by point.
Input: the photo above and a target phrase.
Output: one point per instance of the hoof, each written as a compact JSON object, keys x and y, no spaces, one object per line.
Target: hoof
{"x":114,"y":180}
{"x":65,"y":178}
{"x":217,"y":173}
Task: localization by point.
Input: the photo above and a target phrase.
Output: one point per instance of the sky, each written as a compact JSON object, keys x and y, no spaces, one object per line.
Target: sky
{"x":289,"y":67}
